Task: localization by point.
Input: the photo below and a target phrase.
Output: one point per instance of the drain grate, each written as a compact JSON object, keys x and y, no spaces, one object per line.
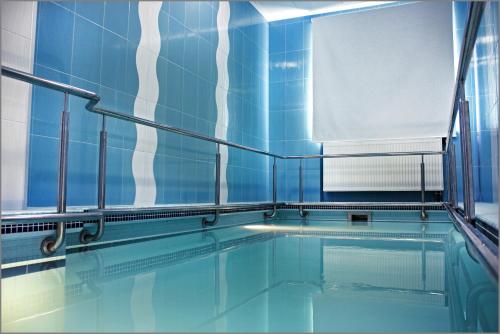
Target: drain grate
{"x":359,"y":218}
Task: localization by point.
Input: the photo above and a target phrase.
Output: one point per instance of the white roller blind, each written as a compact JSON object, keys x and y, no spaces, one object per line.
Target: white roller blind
{"x":384,"y":73}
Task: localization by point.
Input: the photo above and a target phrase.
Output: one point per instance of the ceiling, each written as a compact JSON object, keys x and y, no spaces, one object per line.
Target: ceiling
{"x":280,"y":10}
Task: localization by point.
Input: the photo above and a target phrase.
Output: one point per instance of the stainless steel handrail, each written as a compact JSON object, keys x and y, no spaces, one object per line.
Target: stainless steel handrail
{"x":55,"y":85}
{"x":363,"y":155}
{"x":470,"y":34}
{"x":275,"y":194}
{"x":94,"y":99}
{"x":487,"y":250}
{"x":466,"y":148}
{"x":50,"y":245}
{"x":460,"y":106}
{"x":51,"y":217}
{"x":452,"y":176}
{"x":302,"y":213}
{"x":205,"y":222}
{"x":423,"y":214}
{"x":180,"y":131}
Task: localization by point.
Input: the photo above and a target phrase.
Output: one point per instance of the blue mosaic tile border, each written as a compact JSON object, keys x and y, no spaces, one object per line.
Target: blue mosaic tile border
{"x":121,"y":217}
{"x":124,"y":217}
{"x":31,"y":268}
{"x":39,"y":227}
{"x":176,"y":213}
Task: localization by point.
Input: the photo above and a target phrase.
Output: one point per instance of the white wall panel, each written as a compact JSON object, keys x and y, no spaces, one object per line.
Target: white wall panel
{"x":18,"y":43}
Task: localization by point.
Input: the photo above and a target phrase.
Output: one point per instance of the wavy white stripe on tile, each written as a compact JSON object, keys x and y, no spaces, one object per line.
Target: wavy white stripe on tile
{"x":221,"y":89}
{"x":145,"y":103}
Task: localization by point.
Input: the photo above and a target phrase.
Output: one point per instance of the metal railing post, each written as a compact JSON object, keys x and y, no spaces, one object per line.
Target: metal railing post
{"x":465,"y":143}
{"x":302,"y":213}
{"x":49,"y":244}
{"x":205,"y":222}
{"x":423,"y":214}
{"x":275,"y":176}
{"x":452,"y":178}
{"x":85,"y":235}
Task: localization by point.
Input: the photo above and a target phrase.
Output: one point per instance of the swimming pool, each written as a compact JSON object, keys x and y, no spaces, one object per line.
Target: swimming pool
{"x":319,"y":274}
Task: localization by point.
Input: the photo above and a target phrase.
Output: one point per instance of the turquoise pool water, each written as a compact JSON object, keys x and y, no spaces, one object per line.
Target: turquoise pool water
{"x":323,"y":276}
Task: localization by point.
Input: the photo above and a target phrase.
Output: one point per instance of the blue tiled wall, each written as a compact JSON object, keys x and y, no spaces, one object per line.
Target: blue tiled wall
{"x":247,"y":172}
{"x":290,"y":108}
{"x":481,"y":90}
{"x":93,"y":46}
{"x":81,"y":45}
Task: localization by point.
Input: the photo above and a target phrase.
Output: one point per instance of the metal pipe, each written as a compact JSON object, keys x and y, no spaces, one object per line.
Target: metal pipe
{"x":275,"y":207}
{"x":424,"y":256}
{"x":50,"y":217}
{"x":471,"y":29}
{"x":423,"y":214}
{"x":302,"y":213}
{"x":184,"y":208}
{"x":63,"y":159}
{"x":94,"y":99}
{"x":448,"y":178}
{"x":453,"y":177}
{"x":85,"y":235}
{"x":173,"y":129}
{"x":33,"y":79}
{"x":363,"y":155}
{"x":485,"y":248}
{"x":468,"y":181}
{"x":205,"y":222}
{"x":103,"y":140}
{"x":49,"y":244}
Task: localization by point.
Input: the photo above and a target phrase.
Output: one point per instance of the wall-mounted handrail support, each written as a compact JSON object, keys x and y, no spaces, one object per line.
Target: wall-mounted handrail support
{"x":452,"y":178}
{"x":275,"y":207}
{"x":302,"y":213}
{"x":205,"y":222}
{"x":423,"y":214}
{"x":85,"y":235}
{"x":50,"y":245}
{"x":465,"y":143}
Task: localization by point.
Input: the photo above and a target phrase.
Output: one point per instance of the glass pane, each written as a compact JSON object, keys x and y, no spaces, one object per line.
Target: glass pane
{"x":482,"y":92}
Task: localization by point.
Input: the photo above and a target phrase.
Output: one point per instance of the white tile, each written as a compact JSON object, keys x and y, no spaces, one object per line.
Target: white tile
{"x":18,"y":16}
{"x":142,"y":169}
{"x":146,"y":139}
{"x":15,"y":100}
{"x":18,"y":34}
{"x":13,"y":157}
{"x":16,"y":51}
{"x":148,"y":15}
{"x":140,"y":107}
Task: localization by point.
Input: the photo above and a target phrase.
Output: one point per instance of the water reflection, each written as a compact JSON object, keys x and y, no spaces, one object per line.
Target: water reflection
{"x":260,"y":281}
